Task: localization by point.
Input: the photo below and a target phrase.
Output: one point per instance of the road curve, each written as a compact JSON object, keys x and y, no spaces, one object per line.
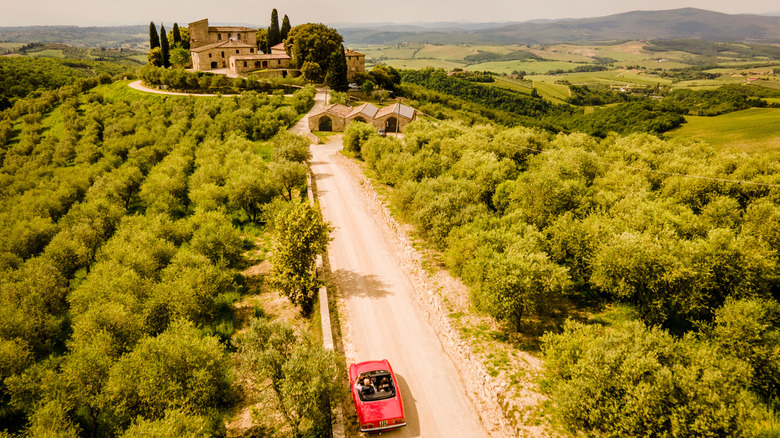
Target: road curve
{"x":384,"y":321}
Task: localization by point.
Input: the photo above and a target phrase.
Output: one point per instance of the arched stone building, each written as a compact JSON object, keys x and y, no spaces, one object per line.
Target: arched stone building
{"x":336,"y":117}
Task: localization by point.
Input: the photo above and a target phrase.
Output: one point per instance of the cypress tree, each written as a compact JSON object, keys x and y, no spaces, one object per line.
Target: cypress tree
{"x":336,"y":78}
{"x":154,"y":38}
{"x":285,"y":28}
{"x":164,"y":47}
{"x":176,"y":35}
{"x":274,"y":36}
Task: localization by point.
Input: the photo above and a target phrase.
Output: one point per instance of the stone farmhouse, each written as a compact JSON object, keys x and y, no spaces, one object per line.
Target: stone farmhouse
{"x":337,"y":117}
{"x":356,"y":63}
{"x":235,"y":48}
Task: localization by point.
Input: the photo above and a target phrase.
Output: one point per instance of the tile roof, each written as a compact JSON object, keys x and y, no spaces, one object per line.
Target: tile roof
{"x":336,"y":109}
{"x":231,"y":29}
{"x":230,"y":44}
{"x":353,"y":53}
{"x":279,"y":46}
{"x":367,"y":110}
{"x":397,"y":108}
{"x":261,"y":56}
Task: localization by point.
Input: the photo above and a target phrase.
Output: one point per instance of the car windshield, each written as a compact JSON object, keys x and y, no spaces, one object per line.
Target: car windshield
{"x":379,"y":386}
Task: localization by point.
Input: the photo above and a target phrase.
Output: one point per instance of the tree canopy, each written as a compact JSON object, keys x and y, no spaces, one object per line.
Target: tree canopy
{"x":314,"y":43}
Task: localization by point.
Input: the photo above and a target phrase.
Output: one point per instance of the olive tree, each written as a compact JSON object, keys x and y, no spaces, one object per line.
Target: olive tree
{"x":296,"y":376}
{"x":178,"y":369}
{"x":640,"y":381}
{"x":301,"y":234}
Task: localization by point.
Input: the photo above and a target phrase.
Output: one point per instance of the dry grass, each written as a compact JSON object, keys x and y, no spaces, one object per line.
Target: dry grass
{"x":259,"y":300}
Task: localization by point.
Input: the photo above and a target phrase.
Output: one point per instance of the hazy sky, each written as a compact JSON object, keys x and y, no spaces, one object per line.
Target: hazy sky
{"x":257,"y":12}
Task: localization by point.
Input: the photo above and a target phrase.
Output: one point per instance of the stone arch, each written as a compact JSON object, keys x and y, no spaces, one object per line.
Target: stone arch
{"x":326,"y":124}
{"x":360,"y":119}
{"x":391,"y":125}
{"x":214,"y":64}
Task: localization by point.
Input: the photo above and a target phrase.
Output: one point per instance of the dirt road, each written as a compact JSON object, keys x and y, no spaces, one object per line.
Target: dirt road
{"x":383,"y":320}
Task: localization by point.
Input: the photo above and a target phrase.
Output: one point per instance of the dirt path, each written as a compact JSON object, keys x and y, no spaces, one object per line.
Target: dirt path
{"x":381,"y":317}
{"x":138,"y":85}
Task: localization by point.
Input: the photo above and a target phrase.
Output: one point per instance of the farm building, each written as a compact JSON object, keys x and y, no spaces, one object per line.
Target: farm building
{"x":235,"y":48}
{"x":337,"y":117}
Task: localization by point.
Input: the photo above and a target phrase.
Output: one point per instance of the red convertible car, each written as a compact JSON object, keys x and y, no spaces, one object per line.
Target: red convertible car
{"x":377,"y":400}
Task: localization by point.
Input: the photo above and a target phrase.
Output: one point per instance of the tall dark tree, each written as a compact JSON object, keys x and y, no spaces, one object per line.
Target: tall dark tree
{"x":336,"y":78}
{"x":262,"y":39}
{"x":285,"y":27}
{"x":164,"y":48}
{"x":154,"y":37}
{"x":176,"y":35}
{"x":274,"y":35}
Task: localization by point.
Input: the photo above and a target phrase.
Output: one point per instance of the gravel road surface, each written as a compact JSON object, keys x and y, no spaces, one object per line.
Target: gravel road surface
{"x":382,"y":318}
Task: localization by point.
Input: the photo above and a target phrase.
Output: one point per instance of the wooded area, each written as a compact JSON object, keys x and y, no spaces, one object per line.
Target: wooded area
{"x":685,"y":235}
{"x":125,"y":223}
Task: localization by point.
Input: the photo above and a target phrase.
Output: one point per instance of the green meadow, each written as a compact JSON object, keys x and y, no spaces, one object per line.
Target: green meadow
{"x":50,"y":53}
{"x":755,"y":129}
{"x":417,"y":64}
{"x":10,"y":46}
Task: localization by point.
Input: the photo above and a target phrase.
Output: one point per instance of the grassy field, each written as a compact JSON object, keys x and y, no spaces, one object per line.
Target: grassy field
{"x":529,"y":67}
{"x":551,"y":91}
{"x":755,"y":129}
{"x":445,"y":52}
{"x":629,"y":52}
{"x":51,"y":53}
{"x":511,"y":84}
{"x":416,"y":64}
{"x":10,"y":46}
{"x":567,"y":57}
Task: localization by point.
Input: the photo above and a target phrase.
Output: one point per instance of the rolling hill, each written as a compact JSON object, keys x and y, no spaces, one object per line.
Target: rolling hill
{"x":636,"y":25}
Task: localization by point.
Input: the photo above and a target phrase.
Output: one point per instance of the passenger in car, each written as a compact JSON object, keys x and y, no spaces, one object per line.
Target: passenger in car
{"x":384,"y":384}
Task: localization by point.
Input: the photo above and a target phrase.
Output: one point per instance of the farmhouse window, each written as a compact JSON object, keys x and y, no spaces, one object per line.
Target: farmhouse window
{"x":251,"y":50}
{"x":223,"y":54}
{"x":219,"y":36}
{"x":236,"y":50}
{"x":244,"y":63}
{"x":209,"y":55}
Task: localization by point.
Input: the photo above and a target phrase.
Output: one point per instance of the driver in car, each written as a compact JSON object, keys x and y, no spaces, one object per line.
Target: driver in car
{"x":367,"y":387}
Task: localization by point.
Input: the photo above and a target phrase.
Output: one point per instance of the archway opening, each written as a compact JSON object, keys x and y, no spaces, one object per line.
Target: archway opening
{"x":326,"y":124}
{"x":360,"y":119}
{"x":214,"y":64}
{"x":391,"y":125}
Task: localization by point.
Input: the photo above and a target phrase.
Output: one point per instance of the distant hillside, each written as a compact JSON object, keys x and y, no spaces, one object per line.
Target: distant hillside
{"x":685,"y":23}
{"x":114,"y":37}
{"x":637,"y":25}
